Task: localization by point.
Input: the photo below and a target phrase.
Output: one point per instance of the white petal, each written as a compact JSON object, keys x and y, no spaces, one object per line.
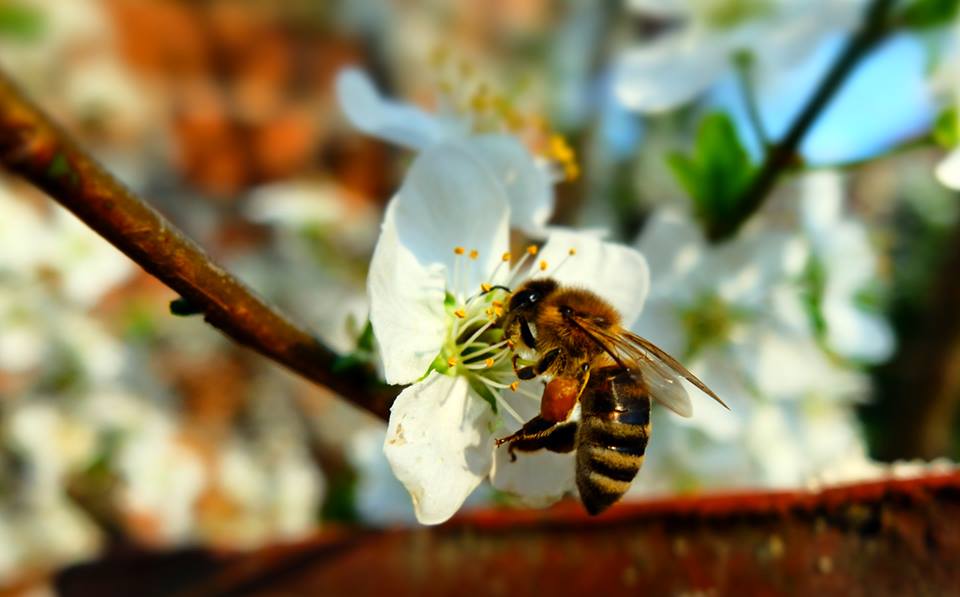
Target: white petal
{"x":857,"y":334}
{"x":714,"y":368}
{"x":452,"y":199}
{"x":616,"y":272}
{"x":406,"y":306}
{"x":392,"y":121}
{"x":527,"y":183}
{"x":671,"y":71}
{"x":439,"y":444}
{"x":673,"y":245}
{"x":948,"y":170}
{"x":537,"y":478}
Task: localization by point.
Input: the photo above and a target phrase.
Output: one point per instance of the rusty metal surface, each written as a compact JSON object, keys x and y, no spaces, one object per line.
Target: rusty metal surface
{"x":885,"y":538}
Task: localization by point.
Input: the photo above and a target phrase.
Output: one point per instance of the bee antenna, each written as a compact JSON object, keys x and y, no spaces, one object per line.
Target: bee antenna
{"x":497,"y":287}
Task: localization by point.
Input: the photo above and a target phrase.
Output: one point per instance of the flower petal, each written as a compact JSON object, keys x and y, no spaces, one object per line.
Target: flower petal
{"x":671,"y":71}
{"x":439,"y":444}
{"x":452,"y":199}
{"x":537,"y":478}
{"x":948,"y":170}
{"x":406,"y":306}
{"x":371,"y":113}
{"x":616,"y":272}
{"x":527,"y":183}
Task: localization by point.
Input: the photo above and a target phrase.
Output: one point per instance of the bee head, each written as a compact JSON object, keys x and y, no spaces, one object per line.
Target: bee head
{"x":530,"y":294}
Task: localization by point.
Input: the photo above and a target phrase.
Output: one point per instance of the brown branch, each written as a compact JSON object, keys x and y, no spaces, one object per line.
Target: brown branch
{"x":32,"y":146}
{"x":782,"y":155}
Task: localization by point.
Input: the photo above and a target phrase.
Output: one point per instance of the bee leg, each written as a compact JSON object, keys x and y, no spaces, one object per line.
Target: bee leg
{"x":540,"y":434}
{"x":528,"y":372}
{"x":539,"y":368}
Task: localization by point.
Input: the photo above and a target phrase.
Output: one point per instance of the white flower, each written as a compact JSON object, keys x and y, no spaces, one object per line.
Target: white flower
{"x":526,"y":180}
{"x":162,"y":478}
{"x":445,"y":237}
{"x":847,"y":265}
{"x":735,"y":314}
{"x":686,"y":59}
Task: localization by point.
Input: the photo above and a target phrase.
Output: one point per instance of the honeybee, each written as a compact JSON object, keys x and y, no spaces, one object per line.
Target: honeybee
{"x":574,"y":339}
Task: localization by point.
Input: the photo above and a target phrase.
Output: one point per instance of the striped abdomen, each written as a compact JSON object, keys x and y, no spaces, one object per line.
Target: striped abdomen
{"x":612,"y":437}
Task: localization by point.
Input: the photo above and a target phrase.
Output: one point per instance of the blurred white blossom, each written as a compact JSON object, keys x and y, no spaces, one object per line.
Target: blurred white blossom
{"x":742,"y":316}
{"x":526,"y":180}
{"x":703,"y":38}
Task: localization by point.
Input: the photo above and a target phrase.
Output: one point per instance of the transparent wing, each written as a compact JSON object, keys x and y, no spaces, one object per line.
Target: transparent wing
{"x":659,"y":369}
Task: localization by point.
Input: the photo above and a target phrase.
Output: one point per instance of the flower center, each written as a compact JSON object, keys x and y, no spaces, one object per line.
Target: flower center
{"x":489,"y":111}
{"x":709,"y":320}
{"x":475,"y":347}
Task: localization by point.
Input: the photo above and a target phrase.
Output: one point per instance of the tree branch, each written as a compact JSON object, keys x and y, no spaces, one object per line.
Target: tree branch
{"x":781,"y":156}
{"x":32,"y":146}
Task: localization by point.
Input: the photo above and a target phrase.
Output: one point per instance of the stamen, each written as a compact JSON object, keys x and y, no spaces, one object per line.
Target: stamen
{"x":515,"y":386}
{"x":488,"y":362}
{"x":460,"y":313}
{"x":506,"y":406}
{"x":458,"y":250}
{"x":474,"y":254}
{"x":485,"y":288}
{"x":543,"y":265}
{"x":452,"y":362}
{"x":505,"y":257}
{"x":570,"y":254}
{"x":476,"y":353}
{"x":477,"y":334}
{"x":533,"y":249}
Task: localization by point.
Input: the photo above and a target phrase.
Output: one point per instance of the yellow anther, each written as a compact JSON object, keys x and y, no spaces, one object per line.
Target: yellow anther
{"x":459,"y":250}
{"x":572,"y":252}
{"x":460,"y":313}
{"x":485,"y":287}
{"x":488,"y":363}
{"x":439,"y":55}
{"x":480,"y":101}
{"x":497,"y":304}
{"x":505,"y":256}
{"x":560,"y":150}
{"x":533,"y":249}
{"x":474,"y":254}
{"x":511,"y":345}
{"x":514,"y":386}
{"x":543,"y":265}
{"x":451,"y":361}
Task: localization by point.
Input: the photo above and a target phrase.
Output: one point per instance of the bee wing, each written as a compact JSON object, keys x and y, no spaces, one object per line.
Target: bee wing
{"x":659,"y":369}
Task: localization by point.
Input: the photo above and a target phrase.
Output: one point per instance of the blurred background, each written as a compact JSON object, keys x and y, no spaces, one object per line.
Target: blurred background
{"x":122,"y":425}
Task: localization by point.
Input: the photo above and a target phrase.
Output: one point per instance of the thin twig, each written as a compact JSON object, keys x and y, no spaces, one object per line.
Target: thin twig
{"x":32,"y":146}
{"x":743,"y":65}
{"x":783,"y":154}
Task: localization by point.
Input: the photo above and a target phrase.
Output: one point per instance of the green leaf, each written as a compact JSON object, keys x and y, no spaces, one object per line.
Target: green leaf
{"x":922,"y":14}
{"x":717,"y":170}
{"x":946,"y":133}
{"x":365,"y":340}
{"x":20,"y":22}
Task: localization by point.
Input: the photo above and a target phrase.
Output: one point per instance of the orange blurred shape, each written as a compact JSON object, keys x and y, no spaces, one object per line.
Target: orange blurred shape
{"x":248,"y":89}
